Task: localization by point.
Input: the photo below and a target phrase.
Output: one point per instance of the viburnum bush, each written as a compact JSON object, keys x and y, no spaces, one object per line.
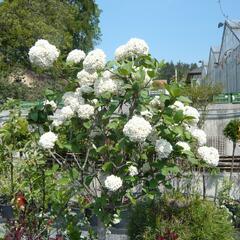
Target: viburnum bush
{"x":115,"y":141}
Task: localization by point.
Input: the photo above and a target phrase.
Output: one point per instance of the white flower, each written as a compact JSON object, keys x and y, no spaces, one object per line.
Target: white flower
{"x":76,"y":56}
{"x":163,"y":148}
{"x":133,"y":171}
{"x":58,"y":118}
{"x":199,"y":135}
{"x":94,"y":101}
{"x":155,"y":102}
{"x":137,"y":129}
{"x":66,"y":95}
{"x":146,"y":114}
{"x":191,"y":112}
{"x":86,"y":89}
{"x":133,"y":48}
{"x":73,"y":99}
{"x":187,"y":127}
{"x":51,"y":103}
{"x":43,"y":54}
{"x":137,"y":47}
{"x":116,"y":219}
{"x":209,"y":154}
{"x":94,"y":61}
{"x":85,"y":111}
{"x":61,"y":115}
{"x":121,"y":52}
{"x":47,"y":140}
{"x":178,"y":106}
{"x":113,"y":183}
{"x":86,"y":78}
{"x":67,"y":112}
{"x":105,"y":85}
{"x":184,"y":145}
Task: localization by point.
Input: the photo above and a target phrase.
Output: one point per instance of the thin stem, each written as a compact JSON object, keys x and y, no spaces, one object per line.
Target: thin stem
{"x":233,"y":155}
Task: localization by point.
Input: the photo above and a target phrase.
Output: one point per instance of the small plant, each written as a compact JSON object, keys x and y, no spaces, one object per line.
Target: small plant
{"x":175,"y":217}
{"x":231,"y":131}
{"x":226,"y":201}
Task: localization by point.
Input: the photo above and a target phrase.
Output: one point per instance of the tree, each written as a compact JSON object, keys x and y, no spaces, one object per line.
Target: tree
{"x":67,"y":24}
{"x":86,"y":32}
{"x":231,"y":131}
{"x":167,"y":71}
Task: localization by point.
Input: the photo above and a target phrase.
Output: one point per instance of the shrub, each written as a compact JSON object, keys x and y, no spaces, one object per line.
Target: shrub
{"x":177,"y":217}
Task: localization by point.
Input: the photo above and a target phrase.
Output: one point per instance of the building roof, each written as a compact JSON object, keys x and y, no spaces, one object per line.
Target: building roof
{"x":196,"y":71}
{"x":216,"y":52}
{"x":235,"y":27}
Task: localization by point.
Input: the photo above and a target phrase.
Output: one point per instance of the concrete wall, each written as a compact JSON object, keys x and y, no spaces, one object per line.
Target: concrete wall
{"x":217,"y":118}
{"x":213,"y":184}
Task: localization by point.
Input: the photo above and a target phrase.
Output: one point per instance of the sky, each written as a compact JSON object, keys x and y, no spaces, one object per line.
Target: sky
{"x":177,"y":30}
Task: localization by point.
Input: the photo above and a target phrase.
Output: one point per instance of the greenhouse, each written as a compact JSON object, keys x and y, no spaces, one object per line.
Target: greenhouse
{"x":224,"y":62}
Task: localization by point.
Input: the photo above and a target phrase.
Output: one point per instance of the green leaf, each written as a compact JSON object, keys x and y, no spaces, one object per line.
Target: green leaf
{"x":123,"y":71}
{"x":166,"y":170}
{"x":151,"y":74}
{"x":150,"y":196}
{"x":174,"y":90}
{"x":192,"y":160}
{"x":178,"y":116}
{"x":153,"y":183}
{"x":184,"y":99}
{"x":102,"y":149}
{"x":131,"y":198}
{"x":87,"y":124}
{"x":63,"y":181}
{"x":107,"y":166}
{"x":112,"y":125}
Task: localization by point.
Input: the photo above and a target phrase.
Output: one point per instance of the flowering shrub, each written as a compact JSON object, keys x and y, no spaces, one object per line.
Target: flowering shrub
{"x":107,"y":136}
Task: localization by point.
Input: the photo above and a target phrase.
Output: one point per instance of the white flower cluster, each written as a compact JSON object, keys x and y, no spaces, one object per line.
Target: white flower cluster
{"x":43,"y":54}
{"x":155,"y":102}
{"x":51,"y":103}
{"x":199,"y":135}
{"x":178,"y":106}
{"x":116,"y":219}
{"x":75,"y":56}
{"x":59,"y":117}
{"x":133,"y":171}
{"x":73,"y":99}
{"x":147,"y":114}
{"x":184,"y":145}
{"x":209,"y":154}
{"x":85,"y":111}
{"x":133,"y":48}
{"x":137,"y":129}
{"x":163,"y":148}
{"x":73,"y":103}
{"x":85,"y":89}
{"x":192,"y":112}
{"x":188,"y":111}
{"x":86,"y":79}
{"x":94,"y":61}
{"x":67,"y":112}
{"x":47,"y":140}
{"x":106,"y":84}
{"x":113,"y":183}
